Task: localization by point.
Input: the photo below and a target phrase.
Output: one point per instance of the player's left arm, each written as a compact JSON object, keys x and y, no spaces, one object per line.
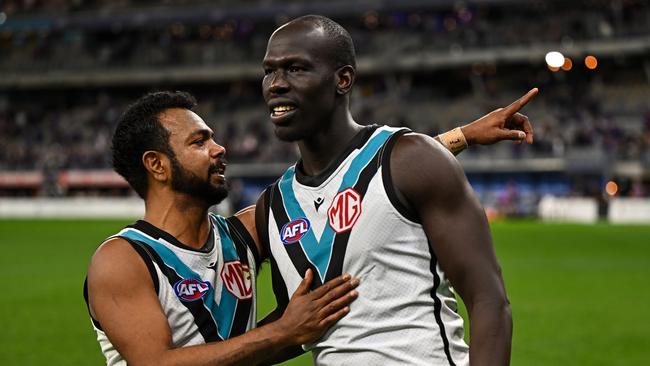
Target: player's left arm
{"x":432,"y":183}
{"x":499,"y":125}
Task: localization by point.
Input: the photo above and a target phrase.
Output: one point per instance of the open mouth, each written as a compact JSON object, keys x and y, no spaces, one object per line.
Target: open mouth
{"x":219,"y":169}
{"x":281,"y":110}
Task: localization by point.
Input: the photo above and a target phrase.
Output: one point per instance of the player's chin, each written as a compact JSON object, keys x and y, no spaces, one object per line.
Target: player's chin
{"x":216,"y":194}
{"x":221,"y":184}
{"x":290,"y":133}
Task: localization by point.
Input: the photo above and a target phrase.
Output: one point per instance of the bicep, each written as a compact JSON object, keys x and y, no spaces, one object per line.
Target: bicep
{"x":455,"y":224}
{"x":123,"y":299}
{"x":459,"y":235}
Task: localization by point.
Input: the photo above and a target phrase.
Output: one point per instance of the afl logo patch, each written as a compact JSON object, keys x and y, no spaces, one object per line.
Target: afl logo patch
{"x":294,"y":230}
{"x":190,"y":289}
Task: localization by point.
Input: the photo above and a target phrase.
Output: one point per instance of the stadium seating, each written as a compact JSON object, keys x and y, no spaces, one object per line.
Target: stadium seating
{"x":70,"y":67}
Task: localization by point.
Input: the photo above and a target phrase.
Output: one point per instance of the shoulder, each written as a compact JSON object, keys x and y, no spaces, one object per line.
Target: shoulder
{"x":114,"y":252}
{"x":115,"y":261}
{"x":419,"y":156}
{"x":424,"y":171}
{"x":116,"y":267}
{"x":247,"y":217}
{"x":413,"y":145}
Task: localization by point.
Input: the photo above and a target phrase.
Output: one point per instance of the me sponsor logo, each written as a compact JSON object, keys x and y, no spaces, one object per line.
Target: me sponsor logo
{"x":344,"y":210}
{"x":237,"y":279}
{"x":191,"y":289}
{"x":294,"y":231}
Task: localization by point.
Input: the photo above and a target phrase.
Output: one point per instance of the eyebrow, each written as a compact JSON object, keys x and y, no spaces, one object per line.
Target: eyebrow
{"x":204,"y":133}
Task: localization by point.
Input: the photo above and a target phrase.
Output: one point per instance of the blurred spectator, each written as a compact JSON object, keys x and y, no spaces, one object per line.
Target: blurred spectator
{"x":577,"y":114}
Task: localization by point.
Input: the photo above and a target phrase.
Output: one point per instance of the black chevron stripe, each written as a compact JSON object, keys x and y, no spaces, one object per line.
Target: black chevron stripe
{"x":437,"y":305}
{"x":262,"y":223}
{"x":202,"y":316}
{"x":297,"y":255}
{"x":340,"y":244}
{"x":242,"y":241}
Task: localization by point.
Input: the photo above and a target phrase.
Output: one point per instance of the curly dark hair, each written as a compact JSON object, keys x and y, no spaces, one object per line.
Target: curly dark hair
{"x":139,"y":130}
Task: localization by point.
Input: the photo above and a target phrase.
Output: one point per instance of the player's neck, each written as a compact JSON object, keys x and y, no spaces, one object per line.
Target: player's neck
{"x":321,"y":149}
{"x":180,"y":216}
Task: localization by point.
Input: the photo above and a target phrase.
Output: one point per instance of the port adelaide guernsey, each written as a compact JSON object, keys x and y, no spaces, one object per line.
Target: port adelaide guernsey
{"x":349,"y":219}
{"x":207,"y":295}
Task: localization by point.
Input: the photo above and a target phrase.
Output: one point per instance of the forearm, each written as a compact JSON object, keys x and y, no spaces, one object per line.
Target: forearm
{"x":490,"y":333}
{"x":311,"y":313}
{"x":286,"y":353}
{"x":255,"y":347}
{"x":282,"y":355}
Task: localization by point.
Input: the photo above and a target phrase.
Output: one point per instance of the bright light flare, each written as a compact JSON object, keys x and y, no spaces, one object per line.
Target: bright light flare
{"x":591,"y":62}
{"x":554,"y":59}
{"x":611,"y":188}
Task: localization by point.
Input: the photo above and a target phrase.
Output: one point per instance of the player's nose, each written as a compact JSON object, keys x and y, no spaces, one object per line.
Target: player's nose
{"x":278,"y":82}
{"x":217,"y":150}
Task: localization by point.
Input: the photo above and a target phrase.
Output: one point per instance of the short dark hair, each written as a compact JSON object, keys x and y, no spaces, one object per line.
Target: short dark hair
{"x":342,"y":53}
{"x":139,"y":130}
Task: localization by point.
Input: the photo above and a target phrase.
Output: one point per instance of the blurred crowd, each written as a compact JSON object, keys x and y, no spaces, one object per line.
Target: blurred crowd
{"x":588,"y":118}
{"x":572,"y":118}
{"x":22,"y":7}
{"x":144,"y":38}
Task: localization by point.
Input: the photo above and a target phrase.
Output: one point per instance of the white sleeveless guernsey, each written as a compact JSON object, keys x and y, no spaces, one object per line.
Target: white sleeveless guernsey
{"x":349,"y":219}
{"x":207,"y":295}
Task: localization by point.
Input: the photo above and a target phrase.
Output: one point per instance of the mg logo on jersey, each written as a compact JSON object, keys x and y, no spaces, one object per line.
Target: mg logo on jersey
{"x":237,"y":279}
{"x":190,"y":289}
{"x":344,"y":210}
{"x":294,"y":230}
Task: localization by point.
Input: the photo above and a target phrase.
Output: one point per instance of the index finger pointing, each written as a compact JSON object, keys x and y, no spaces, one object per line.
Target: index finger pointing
{"x":518,"y":104}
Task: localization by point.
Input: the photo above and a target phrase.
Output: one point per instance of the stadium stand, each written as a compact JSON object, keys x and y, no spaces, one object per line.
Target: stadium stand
{"x":70,"y":67}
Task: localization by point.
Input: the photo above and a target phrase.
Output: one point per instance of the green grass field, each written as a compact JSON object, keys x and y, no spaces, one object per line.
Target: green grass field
{"x":580,"y":294}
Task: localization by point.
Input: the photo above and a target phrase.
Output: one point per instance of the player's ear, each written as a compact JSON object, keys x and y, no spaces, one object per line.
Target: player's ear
{"x":157,"y":164}
{"x":344,"y":79}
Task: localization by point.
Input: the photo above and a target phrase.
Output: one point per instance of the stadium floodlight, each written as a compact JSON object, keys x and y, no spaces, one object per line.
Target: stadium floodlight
{"x":591,"y":62}
{"x":554,"y":59}
{"x":611,"y":188}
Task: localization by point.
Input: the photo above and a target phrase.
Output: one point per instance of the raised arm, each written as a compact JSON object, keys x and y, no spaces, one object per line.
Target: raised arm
{"x":432,"y":183}
{"x":123,"y":299}
{"x":498,"y":125}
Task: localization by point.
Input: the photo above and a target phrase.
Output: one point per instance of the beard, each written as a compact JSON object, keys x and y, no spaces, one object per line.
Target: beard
{"x":187,"y":182}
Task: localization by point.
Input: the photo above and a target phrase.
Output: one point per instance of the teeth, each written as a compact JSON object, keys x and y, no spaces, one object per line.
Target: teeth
{"x":283,"y":108}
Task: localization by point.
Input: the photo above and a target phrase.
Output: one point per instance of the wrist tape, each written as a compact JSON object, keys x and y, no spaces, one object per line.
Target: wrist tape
{"x":454,"y":140}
